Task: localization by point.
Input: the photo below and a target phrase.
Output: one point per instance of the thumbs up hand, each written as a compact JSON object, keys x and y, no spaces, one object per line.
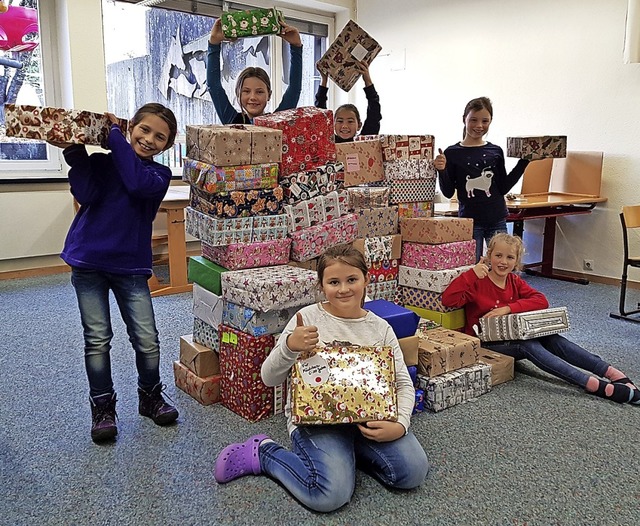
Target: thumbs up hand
{"x":481,"y":269}
{"x":440,"y":162}
{"x":304,"y":337}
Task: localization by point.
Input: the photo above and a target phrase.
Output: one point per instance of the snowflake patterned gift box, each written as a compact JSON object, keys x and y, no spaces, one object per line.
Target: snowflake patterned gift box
{"x":255,"y":322}
{"x":58,"y":125}
{"x":242,"y":389}
{"x":362,"y":161}
{"x":434,"y":280}
{"x":249,"y":255}
{"x":442,"y":350}
{"x":270,"y":288}
{"x":317,"y":210}
{"x":368,"y":197}
{"x":377,"y":221}
{"x":233,"y":145}
{"x":455,"y":387}
{"x":213,"y":179}
{"x":343,"y":384}
{"x":441,"y":256}
{"x":435,"y":230}
{"x":312,"y":241}
{"x":252,"y":22}
{"x":535,"y":148}
{"x":340,"y":61}
{"x":204,"y":390}
{"x":239,"y":203}
{"x":304,"y":185}
{"x":307,"y":137}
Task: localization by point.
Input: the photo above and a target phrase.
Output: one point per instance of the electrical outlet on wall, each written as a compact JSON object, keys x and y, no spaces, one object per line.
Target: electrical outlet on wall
{"x":587,"y":264}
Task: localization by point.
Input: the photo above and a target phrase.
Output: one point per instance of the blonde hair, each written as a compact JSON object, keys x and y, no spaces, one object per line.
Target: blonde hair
{"x":508,"y":239}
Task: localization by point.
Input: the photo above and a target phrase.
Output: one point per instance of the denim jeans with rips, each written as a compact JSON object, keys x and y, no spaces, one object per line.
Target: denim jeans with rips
{"x":132,"y":295}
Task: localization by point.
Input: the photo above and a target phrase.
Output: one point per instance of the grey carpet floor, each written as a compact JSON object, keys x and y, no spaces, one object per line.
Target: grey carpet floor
{"x":534,"y":451}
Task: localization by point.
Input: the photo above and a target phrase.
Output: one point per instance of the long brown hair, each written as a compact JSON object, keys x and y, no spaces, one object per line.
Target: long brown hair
{"x":154,"y":108}
{"x":480,"y":103}
{"x":248,"y":73}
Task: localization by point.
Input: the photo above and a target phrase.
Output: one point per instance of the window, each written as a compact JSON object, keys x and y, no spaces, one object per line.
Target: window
{"x":23,"y":80}
{"x":160,"y":55}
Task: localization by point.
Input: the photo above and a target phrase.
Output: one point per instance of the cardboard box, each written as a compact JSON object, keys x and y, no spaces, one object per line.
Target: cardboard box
{"x":403,"y":321}
{"x":213,"y":179}
{"x":502,"y":366}
{"x":206,"y":334}
{"x":537,"y":147}
{"x":436,"y":230}
{"x":362,"y":161}
{"x":454,"y":319}
{"x":317,"y":210}
{"x":239,"y":203}
{"x":442,"y":350}
{"x":524,"y":325}
{"x":207,"y":305}
{"x":382,"y":290}
{"x":409,"y":346}
{"x":249,"y":255}
{"x":299,"y":186}
{"x":455,"y":387}
{"x":312,"y":241}
{"x":433,"y":280}
{"x":58,"y":125}
{"x":423,"y":299}
{"x":404,"y":147}
{"x":409,"y":169}
{"x":368,"y":197}
{"x":204,"y":390}
{"x":199,"y":359}
{"x":411,"y":190}
{"x":205,"y":273}
{"x":374,"y":222}
{"x":351,"y":45}
{"x":385,"y":270}
{"x":416,"y":209}
{"x":233,"y":145}
{"x":254,"y":322}
{"x":252,"y":22}
{"x":379,"y":248}
{"x":442,"y":256}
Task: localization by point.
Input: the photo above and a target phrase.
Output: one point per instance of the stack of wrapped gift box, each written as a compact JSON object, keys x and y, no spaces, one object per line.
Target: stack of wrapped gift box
{"x":197,"y":372}
{"x":435,"y":250}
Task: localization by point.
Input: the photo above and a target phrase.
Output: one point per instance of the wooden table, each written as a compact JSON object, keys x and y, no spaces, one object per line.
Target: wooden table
{"x":173,"y":204}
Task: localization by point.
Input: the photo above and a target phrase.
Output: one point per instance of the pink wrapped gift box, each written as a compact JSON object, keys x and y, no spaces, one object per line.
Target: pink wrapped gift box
{"x":377,"y":221}
{"x":307,"y":137}
{"x":242,"y":389}
{"x":316,"y":210}
{"x":58,"y":125}
{"x":239,"y":203}
{"x":433,"y":280}
{"x":435,"y":230}
{"x":238,"y":230}
{"x":415,"y":209}
{"x":438,"y":257}
{"x":249,"y":255}
{"x":270,"y":288}
{"x":314,"y":240}
{"x":424,"y":299}
{"x":362,"y":161}
{"x":204,"y":390}
{"x":213,"y":179}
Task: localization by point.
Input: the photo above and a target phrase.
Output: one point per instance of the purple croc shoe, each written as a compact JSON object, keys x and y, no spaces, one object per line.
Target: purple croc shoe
{"x":239,"y":459}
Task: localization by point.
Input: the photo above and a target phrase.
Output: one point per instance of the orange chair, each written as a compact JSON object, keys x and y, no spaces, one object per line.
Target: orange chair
{"x":630,"y":219}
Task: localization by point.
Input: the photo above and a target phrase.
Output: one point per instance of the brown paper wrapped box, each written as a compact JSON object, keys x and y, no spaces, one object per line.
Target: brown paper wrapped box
{"x":197,"y":358}
{"x":409,"y":346}
{"x":436,"y":230}
{"x":502,"y":366}
{"x":204,"y":390}
{"x":443,"y":350}
{"x":362,"y":161}
{"x":344,"y":384}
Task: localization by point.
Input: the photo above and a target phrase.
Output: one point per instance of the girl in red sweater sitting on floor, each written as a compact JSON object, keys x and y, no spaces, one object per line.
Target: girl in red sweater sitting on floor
{"x":491,"y":288}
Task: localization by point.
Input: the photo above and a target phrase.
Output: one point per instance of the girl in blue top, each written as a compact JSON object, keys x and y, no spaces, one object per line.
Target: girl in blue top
{"x":253,"y":87}
{"x":475,"y":168}
{"x":108,"y":247}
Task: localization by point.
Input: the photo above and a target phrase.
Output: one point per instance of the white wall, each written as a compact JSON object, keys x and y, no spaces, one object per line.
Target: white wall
{"x":549,"y":67}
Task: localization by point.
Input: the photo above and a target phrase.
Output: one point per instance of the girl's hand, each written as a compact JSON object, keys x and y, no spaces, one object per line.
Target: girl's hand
{"x":291,"y":35}
{"x":323,"y":77}
{"x":304,"y":337}
{"x":364,"y":71}
{"x":500,"y":311}
{"x":440,"y":162}
{"x":217,"y":35}
{"x":481,"y":269}
{"x":112,"y":118}
{"x":382,"y":430}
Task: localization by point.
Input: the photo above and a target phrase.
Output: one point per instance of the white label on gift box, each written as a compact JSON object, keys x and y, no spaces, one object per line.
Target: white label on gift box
{"x":314,"y":370}
{"x":352,"y":163}
{"x":359,"y":51}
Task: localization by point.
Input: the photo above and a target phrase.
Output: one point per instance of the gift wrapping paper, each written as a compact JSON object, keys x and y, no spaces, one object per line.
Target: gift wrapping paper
{"x":534,"y":148}
{"x":270,"y":288}
{"x":249,"y":255}
{"x":312,"y":241}
{"x":411,"y":190}
{"x":58,"y":125}
{"x":382,"y":290}
{"x":403,"y":321}
{"x":424,"y":299}
{"x":524,"y":325}
{"x":321,"y":180}
{"x":405,"y":147}
{"x":379,"y":248}
{"x":415,"y":209}
{"x":502,"y":366}
{"x":455,"y":387}
{"x":374,"y":222}
{"x":442,"y":350}
{"x":205,"y":334}
{"x":255,"y":322}
{"x":307,"y":137}
{"x":362,"y":161}
{"x":408,"y":169}
{"x":436,"y":230}
{"x":207,"y":305}
{"x":340,"y":62}
{"x":252,"y":22}
{"x":233,"y":144}
{"x":454,"y":319}
{"x":386,"y":270}
{"x":198,"y":358}
{"x":438,"y":257}
{"x":317,"y":210}
{"x":240,"y":203}
{"x":213,"y":179}
{"x":433,"y":280}
{"x":368,"y":197}
{"x":205,"y":273}
{"x":204,"y":390}
{"x":344,"y":384}
{"x":217,"y":232}
{"x":242,"y":389}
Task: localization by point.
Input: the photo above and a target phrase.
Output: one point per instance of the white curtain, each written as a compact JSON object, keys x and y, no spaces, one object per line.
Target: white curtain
{"x":632,"y":33}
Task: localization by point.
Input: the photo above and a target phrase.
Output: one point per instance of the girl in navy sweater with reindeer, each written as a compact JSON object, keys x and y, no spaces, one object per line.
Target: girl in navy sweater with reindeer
{"x":475,"y":168}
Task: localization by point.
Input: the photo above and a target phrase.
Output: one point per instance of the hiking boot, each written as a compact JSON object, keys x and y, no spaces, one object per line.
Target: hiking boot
{"x":103,"y":417}
{"x":153,"y":405}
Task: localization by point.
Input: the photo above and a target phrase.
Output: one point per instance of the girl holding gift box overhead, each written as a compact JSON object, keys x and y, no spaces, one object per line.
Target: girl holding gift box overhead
{"x":321,"y":467}
{"x":347,"y":117}
{"x":491,"y":288}
{"x":475,"y":169}
{"x":109,"y":248}
{"x":253,"y":87}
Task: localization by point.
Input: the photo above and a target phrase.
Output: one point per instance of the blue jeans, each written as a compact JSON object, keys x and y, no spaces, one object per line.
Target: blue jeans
{"x":320,"y":470}
{"x":134,"y":301}
{"x":482,"y":233}
{"x":556,"y":355}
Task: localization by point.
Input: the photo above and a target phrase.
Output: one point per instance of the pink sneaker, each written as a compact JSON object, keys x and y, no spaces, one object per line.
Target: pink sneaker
{"x":237,"y":460}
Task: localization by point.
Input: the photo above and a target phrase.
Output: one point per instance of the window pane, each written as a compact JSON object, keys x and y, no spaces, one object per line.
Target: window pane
{"x":21,"y":75}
